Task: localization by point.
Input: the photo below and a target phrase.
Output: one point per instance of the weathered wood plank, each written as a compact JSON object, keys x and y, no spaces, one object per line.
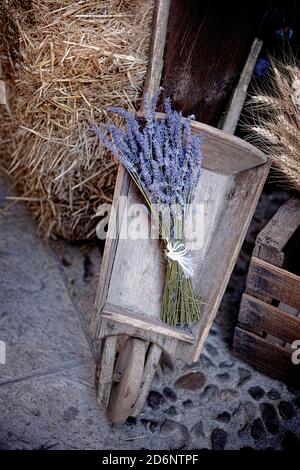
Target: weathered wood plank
{"x":239,"y":96}
{"x":152,"y":362}
{"x":157,"y":47}
{"x":105,"y":370}
{"x":265,"y":279}
{"x":268,"y":253}
{"x":257,"y":317}
{"x":111,"y":243}
{"x":282,"y":226}
{"x":220,"y":258}
{"x":122,"y":315}
{"x":271,"y":359}
{"x":208,"y":44}
{"x":276,"y":234}
{"x":167,"y":343}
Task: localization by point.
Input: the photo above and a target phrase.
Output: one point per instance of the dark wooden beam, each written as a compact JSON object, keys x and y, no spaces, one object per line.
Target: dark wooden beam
{"x":208,"y":43}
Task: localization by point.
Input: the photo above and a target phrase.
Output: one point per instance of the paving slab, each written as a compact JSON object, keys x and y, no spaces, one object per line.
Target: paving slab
{"x":38,"y":321}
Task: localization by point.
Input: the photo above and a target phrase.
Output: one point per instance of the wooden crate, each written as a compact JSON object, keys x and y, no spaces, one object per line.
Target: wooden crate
{"x":269,"y":317}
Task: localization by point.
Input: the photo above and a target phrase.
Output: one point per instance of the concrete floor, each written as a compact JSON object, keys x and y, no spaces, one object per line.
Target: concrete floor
{"x":47,"y":393}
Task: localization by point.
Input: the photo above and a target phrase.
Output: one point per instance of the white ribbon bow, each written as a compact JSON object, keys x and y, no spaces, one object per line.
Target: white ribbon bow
{"x":176,"y":251}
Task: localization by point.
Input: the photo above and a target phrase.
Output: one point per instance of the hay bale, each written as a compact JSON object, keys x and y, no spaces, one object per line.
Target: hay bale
{"x":69,"y":61}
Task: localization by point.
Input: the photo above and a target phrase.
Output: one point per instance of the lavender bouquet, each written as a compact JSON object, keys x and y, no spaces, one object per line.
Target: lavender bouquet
{"x":164,"y":160}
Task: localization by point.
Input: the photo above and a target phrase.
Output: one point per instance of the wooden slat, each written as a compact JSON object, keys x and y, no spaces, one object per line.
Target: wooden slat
{"x":121,"y":315}
{"x":269,"y":358}
{"x":130,"y":368}
{"x":282,"y":226}
{"x":239,"y":96}
{"x":257,"y":317}
{"x":105,"y":369}
{"x":276,"y":234}
{"x":268,"y":253}
{"x":227,"y":154}
{"x":172,"y":345}
{"x":111,"y":243}
{"x":157,"y":47}
{"x":276,"y":283}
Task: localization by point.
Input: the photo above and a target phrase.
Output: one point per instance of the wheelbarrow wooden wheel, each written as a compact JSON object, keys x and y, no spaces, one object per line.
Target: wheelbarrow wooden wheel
{"x":124,"y":379}
{"x":127,"y":380}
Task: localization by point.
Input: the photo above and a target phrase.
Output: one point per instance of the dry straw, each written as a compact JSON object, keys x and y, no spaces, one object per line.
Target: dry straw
{"x":68,"y":61}
{"x":275,"y":111}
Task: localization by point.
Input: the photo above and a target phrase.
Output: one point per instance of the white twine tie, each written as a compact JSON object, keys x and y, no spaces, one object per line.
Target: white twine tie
{"x":176,"y":251}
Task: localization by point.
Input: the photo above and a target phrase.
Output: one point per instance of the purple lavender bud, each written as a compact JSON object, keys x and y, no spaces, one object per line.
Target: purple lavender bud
{"x":163,"y":155}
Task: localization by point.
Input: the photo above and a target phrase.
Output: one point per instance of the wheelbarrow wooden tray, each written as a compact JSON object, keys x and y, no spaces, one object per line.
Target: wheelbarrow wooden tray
{"x":126,"y":327}
{"x":133,"y":271}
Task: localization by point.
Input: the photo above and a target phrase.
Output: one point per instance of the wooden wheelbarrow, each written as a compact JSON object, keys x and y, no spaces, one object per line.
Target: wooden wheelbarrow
{"x":127,"y":325}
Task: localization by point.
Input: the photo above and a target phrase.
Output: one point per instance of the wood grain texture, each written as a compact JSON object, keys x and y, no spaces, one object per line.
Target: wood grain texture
{"x":124,"y":316}
{"x":111,"y":242}
{"x":225,"y":246}
{"x":271,"y":359}
{"x":130,"y":371}
{"x":151,"y":364}
{"x":259,"y":317}
{"x":108,"y":327}
{"x":276,"y":234}
{"x":207,"y":47}
{"x":266,"y":280}
{"x":239,"y":95}
{"x":105,"y":370}
{"x":157,"y":47}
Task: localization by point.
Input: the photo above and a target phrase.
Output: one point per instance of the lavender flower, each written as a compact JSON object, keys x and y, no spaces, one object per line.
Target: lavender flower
{"x":163,"y":154}
{"x":164,"y":159}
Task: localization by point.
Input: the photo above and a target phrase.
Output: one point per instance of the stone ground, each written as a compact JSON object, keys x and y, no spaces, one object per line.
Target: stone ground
{"x":47,"y":393}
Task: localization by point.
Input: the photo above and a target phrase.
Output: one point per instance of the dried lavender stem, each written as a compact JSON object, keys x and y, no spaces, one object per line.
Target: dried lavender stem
{"x":180,"y":304}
